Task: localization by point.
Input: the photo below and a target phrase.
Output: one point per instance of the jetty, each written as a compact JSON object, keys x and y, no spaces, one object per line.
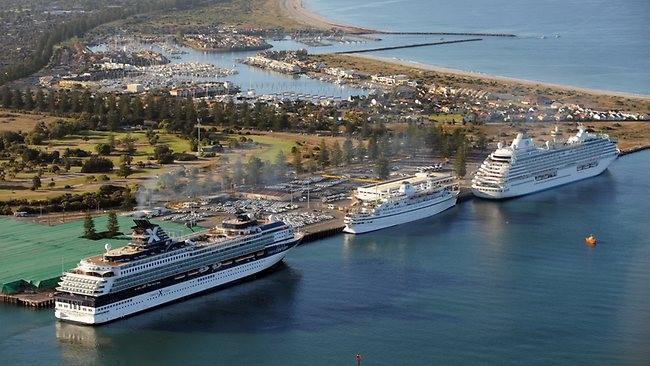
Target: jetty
{"x":450,"y":34}
{"x":38,"y":300}
{"x":407,"y":46}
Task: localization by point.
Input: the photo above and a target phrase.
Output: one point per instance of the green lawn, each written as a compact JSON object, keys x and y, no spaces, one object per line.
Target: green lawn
{"x":270,"y":146}
{"x":36,"y":252}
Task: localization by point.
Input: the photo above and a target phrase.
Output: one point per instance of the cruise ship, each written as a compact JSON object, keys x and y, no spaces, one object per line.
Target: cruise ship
{"x":154,"y":269}
{"x":523,"y":167}
{"x":400,"y":201}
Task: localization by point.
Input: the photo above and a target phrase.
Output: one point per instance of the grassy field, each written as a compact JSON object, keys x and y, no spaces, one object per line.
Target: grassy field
{"x":22,"y":122}
{"x":35,"y":252}
{"x":18,"y":186}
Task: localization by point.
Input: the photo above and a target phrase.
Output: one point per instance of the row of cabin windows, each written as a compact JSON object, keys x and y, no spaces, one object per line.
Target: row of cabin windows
{"x":239,"y":270}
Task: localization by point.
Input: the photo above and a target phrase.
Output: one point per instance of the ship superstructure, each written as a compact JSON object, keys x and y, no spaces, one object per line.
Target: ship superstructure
{"x":154,"y":269}
{"x":523,"y":167}
{"x":400,"y":201}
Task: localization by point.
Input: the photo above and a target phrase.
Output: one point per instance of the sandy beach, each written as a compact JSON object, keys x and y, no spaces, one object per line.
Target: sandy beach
{"x":504,"y":79}
{"x":295,"y":10}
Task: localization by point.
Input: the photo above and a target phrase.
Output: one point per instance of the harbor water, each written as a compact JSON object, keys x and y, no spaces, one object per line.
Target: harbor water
{"x":501,"y":283}
{"x":587,"y":43}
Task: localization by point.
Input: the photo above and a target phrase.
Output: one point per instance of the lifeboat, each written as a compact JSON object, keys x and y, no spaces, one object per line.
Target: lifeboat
{"x":591,"y":241}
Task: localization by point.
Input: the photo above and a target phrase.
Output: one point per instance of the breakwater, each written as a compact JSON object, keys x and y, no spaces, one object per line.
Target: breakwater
{"x":408,"y":46}
{"x":450,"y":34}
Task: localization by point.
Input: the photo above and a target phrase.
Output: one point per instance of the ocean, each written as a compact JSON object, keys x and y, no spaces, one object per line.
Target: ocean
{"x":500,"y":283}
{"x":587,"y":43}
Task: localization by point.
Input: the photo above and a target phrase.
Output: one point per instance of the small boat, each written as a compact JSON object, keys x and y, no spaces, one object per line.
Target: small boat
{"x":591,"y":240}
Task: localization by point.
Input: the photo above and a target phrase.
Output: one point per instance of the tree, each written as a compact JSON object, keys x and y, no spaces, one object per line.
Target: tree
{"x":29,"y":100}
{"x":361,"y":151}
{"x":112,"y":226}
{"x":36,"y":182}
{"x":128,"y":142}
{"x":6,"y":96}
{"x":460,"y":163}
{"x":152,"y":137}
{"x":382,"y":168}
{"x":89,"y":227}
{"x":96,"y":164}
{"x":481,"y":142}
{"x":103,"y":149}
{"x":297,"y":160}
{"x":336,"y":155}
{"x":373,"y":150}
{"x":254,"y":171}
{"x":324,"y":155}
{"x":17,"y":99}
{"x":124,"y":170}
{"x":163,"y":154}
{"x":348,"y":151}
{"x":126,"y":159}
{"x":280,"y":165}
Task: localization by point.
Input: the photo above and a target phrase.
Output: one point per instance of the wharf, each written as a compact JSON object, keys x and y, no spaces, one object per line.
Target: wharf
{"x":408,"y":46}
{"x":39,"y":300}
{"x":321,"y":234}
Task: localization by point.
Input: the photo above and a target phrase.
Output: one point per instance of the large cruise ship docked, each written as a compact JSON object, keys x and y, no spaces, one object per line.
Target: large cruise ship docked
{"x":523,"y":167}
{"x":400,"y":201}
{"x":154,"y":269}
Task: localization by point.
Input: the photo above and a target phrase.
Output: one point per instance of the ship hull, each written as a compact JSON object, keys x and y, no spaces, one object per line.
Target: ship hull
{"x":165,"y":295}
{"x":373,"y":224}
{"x":565,"y":176}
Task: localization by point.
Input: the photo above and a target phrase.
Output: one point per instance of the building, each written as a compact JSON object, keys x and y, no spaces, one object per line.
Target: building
{"x":134,"y":88}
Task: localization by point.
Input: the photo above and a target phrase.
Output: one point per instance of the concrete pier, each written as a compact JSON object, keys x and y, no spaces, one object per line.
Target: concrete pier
{"x":408,"y":46}
{"x":39,"y":300}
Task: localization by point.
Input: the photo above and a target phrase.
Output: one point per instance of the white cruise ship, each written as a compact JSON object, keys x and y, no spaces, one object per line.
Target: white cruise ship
{"x":154,"y":269}
{"x":400,"y":201}
{"x":523,"y":167}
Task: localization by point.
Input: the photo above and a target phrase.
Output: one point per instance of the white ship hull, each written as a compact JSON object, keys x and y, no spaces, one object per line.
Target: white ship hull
{"x":564,"y":176}
{"x":377,"y":223}
{"x":165,"y":295}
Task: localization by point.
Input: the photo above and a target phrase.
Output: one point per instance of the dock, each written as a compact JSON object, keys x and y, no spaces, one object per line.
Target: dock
{"x":39,"y":300}
{"x":321,"y":234}
{"x":407,"y":46}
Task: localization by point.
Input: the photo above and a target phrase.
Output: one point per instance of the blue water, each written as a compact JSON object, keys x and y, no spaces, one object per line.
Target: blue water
{"x":485,"y":283}
{"x":602,"y":44}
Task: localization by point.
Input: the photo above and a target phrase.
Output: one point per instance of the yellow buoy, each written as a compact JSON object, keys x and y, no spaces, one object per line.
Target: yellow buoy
{"x":591,"y":240}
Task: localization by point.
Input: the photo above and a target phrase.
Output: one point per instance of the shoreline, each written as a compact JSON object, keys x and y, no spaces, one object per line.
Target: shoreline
{"x":296,"y":10}
{"x":506,"y":79}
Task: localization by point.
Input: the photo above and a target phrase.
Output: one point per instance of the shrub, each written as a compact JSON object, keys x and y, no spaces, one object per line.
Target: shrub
{"x":97,"y":164}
